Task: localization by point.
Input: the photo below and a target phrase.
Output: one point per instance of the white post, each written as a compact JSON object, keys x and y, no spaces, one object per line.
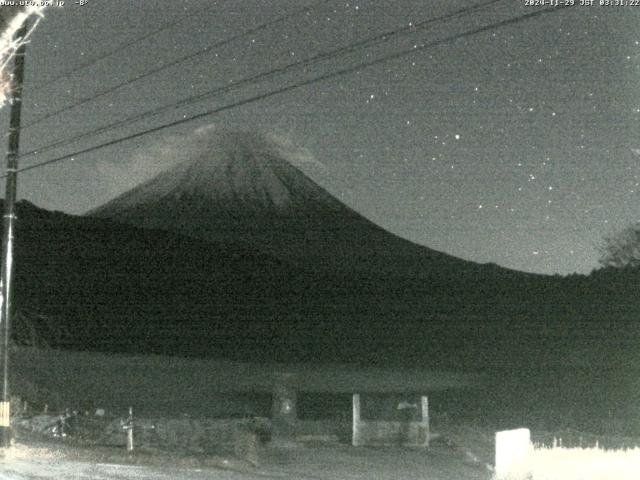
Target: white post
{"x":512,"y":448}
{"x":424,"y":403}
{"x":355,"y":439}
{"x":130,"y":431}
{"x":130,"y":440}
{"x":284,"y":416}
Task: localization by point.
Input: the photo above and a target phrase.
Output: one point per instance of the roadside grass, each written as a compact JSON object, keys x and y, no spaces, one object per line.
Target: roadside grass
{"x":594,"y":463}
{"x":560,"y":455}
{"x":582,"y":457}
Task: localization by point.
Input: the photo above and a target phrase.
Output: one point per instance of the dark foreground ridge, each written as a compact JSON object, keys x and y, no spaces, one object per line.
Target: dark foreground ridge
{"x":92,"y":284}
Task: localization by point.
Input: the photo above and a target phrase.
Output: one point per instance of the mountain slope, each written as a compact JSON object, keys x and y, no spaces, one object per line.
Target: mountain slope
{"x":93,"y":284}
{"x":241,"y":187}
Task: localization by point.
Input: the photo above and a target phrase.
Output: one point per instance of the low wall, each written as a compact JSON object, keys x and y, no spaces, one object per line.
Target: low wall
{"x":220,"y":434}
{"x":393,"y":433}
{"x":324,"y":430}
{"x":190,"y":434}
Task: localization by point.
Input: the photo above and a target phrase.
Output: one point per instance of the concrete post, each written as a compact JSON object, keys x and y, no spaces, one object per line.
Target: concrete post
{"x":356,"y":432}
{"x":423,"y":437}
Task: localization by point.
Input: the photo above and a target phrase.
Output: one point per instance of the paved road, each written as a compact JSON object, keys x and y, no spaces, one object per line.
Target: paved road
{"x":22,"y":462}
{"x":313,"y":463}
{"x":23,"y":469}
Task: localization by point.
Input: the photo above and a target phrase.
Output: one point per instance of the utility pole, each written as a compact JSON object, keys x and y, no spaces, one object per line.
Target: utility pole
{"x":6,"y":294}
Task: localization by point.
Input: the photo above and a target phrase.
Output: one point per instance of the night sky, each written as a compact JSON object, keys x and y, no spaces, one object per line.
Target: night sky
{"x":519,"y":145}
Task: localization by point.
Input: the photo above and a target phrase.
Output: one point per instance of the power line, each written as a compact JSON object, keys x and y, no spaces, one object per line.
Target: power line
{"x":109,"y":53}
{"x":385,"y":36}
{"x":300,"y":84}
{"x":288,"y":88}
{"x":173,"y":63}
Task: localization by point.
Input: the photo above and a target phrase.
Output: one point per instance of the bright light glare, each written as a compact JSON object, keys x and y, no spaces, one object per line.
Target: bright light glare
{"x":9,"y":45}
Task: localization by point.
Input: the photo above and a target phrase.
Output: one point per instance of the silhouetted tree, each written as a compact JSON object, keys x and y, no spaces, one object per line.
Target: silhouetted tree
{"x":621,"y":249}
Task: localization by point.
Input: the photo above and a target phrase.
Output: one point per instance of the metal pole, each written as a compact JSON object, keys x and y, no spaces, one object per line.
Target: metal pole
{"x":15,"y":101}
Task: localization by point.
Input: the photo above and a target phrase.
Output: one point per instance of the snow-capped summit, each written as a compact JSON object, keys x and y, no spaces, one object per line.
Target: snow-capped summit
{"x":241,"y":173}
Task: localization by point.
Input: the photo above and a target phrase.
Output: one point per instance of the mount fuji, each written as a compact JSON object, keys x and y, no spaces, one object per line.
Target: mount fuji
{"x":240,"y":187}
